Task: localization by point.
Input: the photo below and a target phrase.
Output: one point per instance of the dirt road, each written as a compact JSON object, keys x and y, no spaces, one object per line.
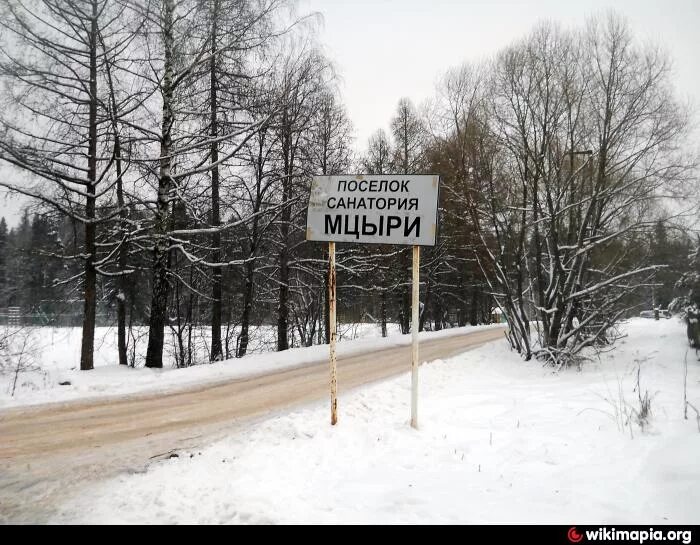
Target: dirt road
{"x":49,"y":452}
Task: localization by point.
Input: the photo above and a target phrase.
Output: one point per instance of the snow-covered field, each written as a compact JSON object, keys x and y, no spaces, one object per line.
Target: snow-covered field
{"x":500,"y":441}
{"x":45,"y":357}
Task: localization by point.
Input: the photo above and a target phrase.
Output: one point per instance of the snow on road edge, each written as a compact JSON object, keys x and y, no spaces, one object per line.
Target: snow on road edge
{"x":500,"y":441}
{"x":58,"y":361}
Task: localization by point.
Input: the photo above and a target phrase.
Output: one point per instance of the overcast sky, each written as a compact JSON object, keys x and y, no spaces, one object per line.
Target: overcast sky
{"x":387,"y":49}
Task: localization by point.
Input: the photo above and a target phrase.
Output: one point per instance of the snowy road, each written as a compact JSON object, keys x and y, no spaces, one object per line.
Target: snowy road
{"x":47,"y":452}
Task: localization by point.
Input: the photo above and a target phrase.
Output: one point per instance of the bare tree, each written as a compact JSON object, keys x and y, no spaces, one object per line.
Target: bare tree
{"x":201,"y":129}
{"x":581,"y":147}
{"x":51,"y":71}
{"x":328,"y":154}
{"x":300,"y":82}
{"x":380,"y":160}
{"x":409,"y":134}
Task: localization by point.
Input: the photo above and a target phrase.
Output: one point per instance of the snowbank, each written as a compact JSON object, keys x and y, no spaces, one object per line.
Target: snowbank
{"x":500,"y":441}
{"x":53,"y":356}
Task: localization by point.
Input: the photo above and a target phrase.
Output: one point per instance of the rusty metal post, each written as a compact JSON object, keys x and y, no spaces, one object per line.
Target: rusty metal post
{"x":332,"y":332}
{"x":414,"y":336}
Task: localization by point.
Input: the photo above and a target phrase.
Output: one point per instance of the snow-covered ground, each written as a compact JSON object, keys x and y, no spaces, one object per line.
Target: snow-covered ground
{"x":500,"y":441}
{"x":45,"y":357}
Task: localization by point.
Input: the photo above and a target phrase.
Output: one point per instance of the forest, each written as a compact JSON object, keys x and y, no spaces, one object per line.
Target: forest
{"x":168,"y":148}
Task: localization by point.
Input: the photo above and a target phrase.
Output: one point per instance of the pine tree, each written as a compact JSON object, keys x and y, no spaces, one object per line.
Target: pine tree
{"x":18,"y":262}
{"x":690,"y":302}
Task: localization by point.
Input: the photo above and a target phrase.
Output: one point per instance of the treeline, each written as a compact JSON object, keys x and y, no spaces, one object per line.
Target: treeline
{"x":34,"y":278}
{"x":566,"y":153}
{"x":171,"y":146}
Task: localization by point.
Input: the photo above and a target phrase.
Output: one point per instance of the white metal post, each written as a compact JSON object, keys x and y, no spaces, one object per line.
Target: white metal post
{"x":414,"y":336}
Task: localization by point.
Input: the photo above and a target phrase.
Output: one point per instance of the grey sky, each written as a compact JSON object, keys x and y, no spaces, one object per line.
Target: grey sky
{"x":10,"y":204}
{"x":387,"y":49}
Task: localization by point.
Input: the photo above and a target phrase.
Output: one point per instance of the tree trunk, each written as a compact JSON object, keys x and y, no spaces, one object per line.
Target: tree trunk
{"x":423,"y":315}
{"x":190,"y":319}
{"x":283,"y":306}
{"x":161,"y":288}
{"x":247,"y":307}
{"x":90,"y":297}
{"x":463,"y":307}
{"x":122,"y":281}
{"x":326,"y":302}
{"x":383,"y":313}
{"x":249,"y":289}
{"x":180,"y":357}
{"x":405,"y":313}
{"x":216,"y":351}
{"x":474,"y":307}
{"x":437,"y":309}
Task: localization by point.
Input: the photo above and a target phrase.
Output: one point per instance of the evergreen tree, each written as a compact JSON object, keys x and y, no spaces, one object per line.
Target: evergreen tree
{"x":689,"y":303}
{"x":671,"y":252}
{"x":17,"y":263}
{"x":45,"y":299}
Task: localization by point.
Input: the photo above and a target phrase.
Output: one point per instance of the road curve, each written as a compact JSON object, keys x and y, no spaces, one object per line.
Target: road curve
{"x":47,"y":451}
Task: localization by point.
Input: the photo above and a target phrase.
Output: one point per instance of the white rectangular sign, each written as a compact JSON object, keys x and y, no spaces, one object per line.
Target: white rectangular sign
{"x":374,"y":209}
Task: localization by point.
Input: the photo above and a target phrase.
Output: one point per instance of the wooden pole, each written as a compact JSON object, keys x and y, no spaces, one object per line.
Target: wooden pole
{"x":414,"y":336}
{"x":332,"y":333}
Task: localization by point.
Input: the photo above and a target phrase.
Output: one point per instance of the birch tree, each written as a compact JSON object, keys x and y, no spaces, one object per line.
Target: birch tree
{"x":192,"y":57}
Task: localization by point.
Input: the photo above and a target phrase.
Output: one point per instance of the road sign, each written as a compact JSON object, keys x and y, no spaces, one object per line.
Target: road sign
{"x":374,"y":209}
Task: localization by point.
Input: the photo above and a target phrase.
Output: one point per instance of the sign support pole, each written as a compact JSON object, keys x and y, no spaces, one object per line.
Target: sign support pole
{"x":414,"y":336}
{"x":332,"y":332}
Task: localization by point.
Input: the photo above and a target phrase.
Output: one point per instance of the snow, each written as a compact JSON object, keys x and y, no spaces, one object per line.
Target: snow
{"x":500,"y":441}
{"x":52,"y":356}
